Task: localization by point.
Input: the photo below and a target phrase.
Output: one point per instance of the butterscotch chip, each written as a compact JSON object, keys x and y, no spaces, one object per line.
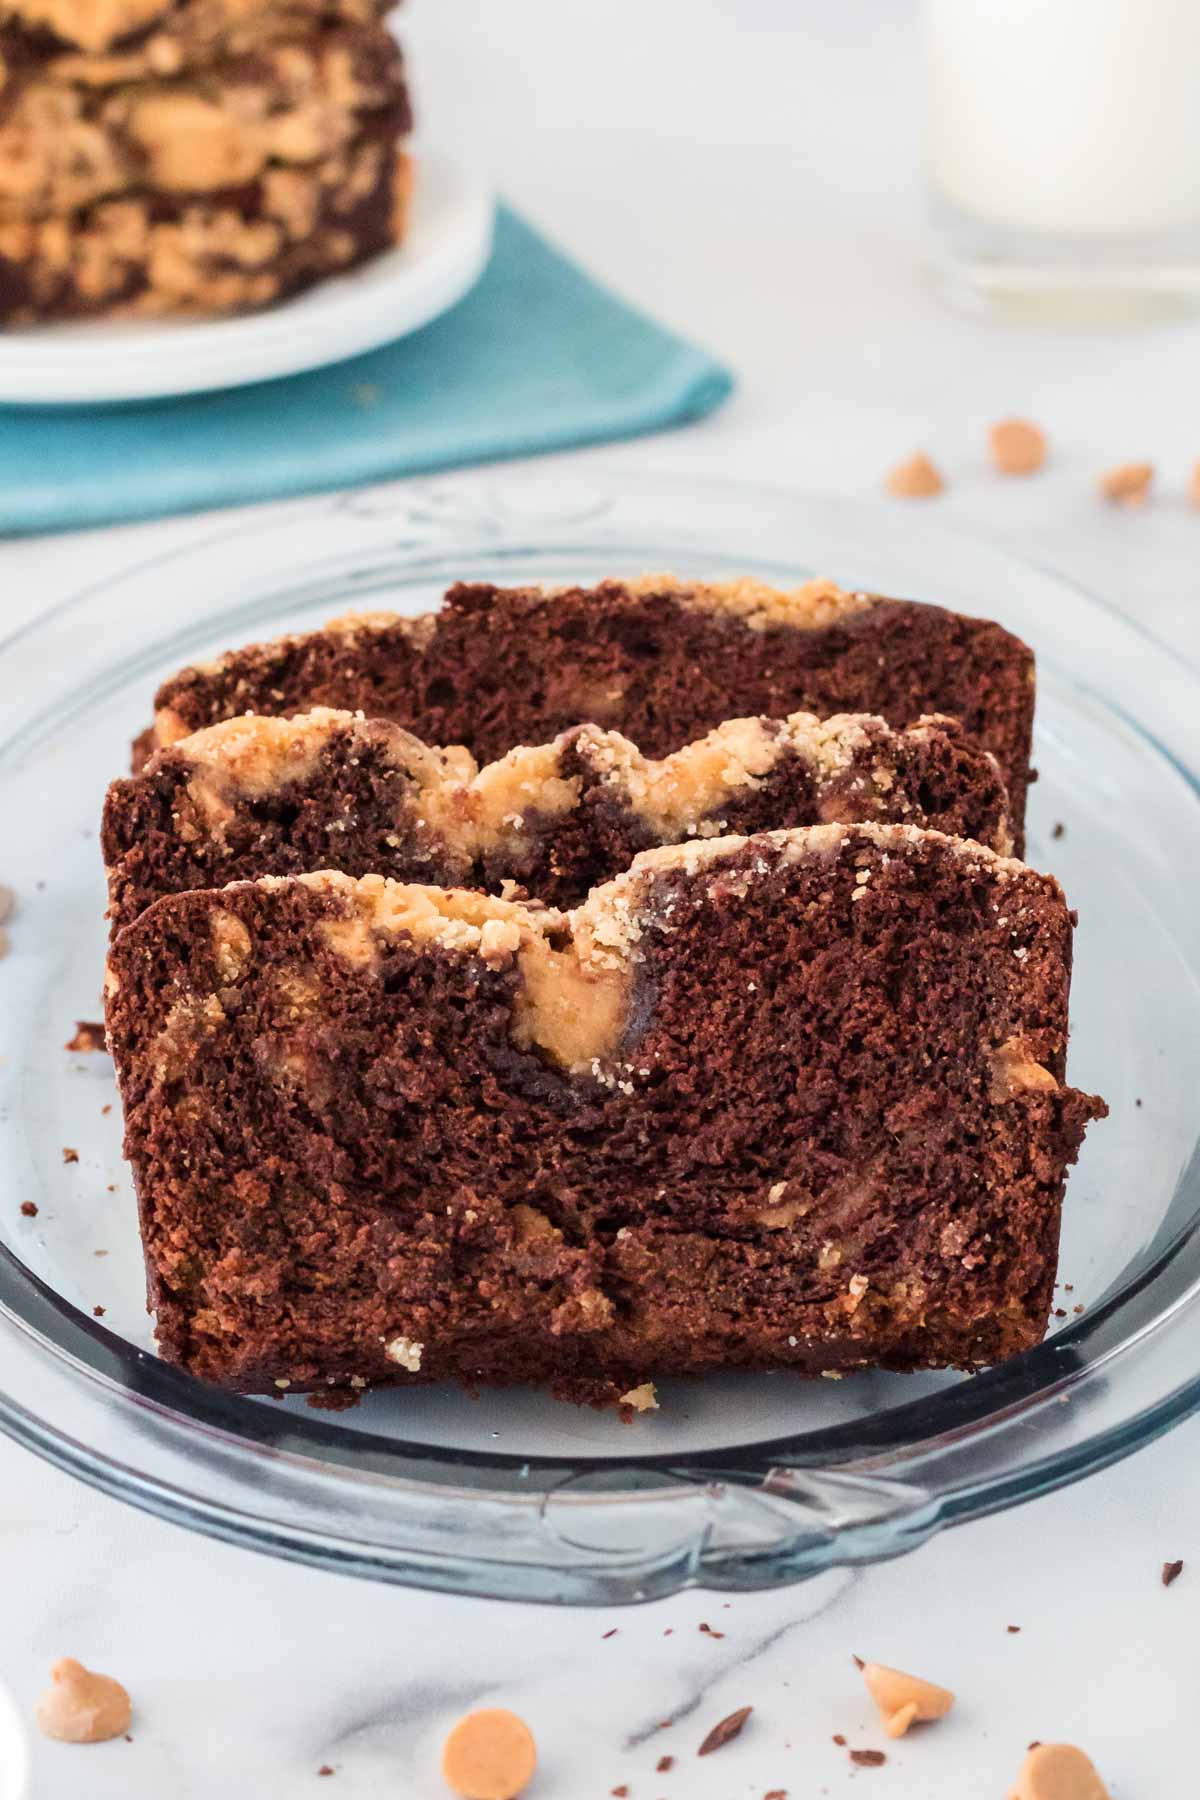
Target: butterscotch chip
{"x":489,"y":1755}
{"x":1128,"y":485}
{"x":82,"y":1707}
{"x":1018,"y":448}
{"x":916,"y":479}
{"x":1058,"y":1772}
{"x":904,"y":1699}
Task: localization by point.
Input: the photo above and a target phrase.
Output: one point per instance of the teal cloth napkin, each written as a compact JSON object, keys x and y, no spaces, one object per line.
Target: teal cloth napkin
{"x":537,"y":357}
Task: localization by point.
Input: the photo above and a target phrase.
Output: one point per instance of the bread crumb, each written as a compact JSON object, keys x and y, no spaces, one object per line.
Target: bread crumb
{"x":916,"y":479}
{"x":1128,"y":484}
{"x":641,"y":1399}
{"x":405,"y":1351}
{"x":1018,"y":447}
{"x":89,"y":1037}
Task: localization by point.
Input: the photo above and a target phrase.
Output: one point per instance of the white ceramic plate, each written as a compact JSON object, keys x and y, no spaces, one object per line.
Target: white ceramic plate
{"x":95,"y":362}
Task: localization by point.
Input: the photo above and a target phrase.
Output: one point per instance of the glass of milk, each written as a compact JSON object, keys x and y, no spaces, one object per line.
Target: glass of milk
{"x":1063,"y":154}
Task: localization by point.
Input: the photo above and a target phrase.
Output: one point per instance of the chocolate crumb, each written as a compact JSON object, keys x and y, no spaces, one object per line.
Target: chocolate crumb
{"x":724,"y":1732}
{"x":1060,"y":1312}
{"x":709,"y":1632}
{"x":112,"y":1187}
{"x":612,"y":1633}
{"x":1137,"y":1103}
{"x":99,"y":1252}
{"x":620,"y":1793}
{"x":663,"y":1764}
{"x":1012,"y":1628}
{"x":1171,"y":1571}
{"x":775,"y":1794}
{"x":1035,"y":1744}
{"x":1059,"y":831}
{"x":89,"y":1036}
{"x":858,"y":1662}
{"x":28,"y":1209}
{"x":1068,"y":1287}
{"x":97,"y":1312}
{"x":324,"y":1769}
{"x":668,"y":1631}
{"x":69,"y":1155}
{"x":105,"y":1110}
{"x":839,"y":1740}
{"x":868,"y":1759}
{"x":1077,"y":1309}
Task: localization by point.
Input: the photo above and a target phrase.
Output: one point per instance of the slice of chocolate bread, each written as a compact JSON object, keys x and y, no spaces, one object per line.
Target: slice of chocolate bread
{"x":795,"y":1100}
{"x":659,"y":659}
{"x":259,"y":796}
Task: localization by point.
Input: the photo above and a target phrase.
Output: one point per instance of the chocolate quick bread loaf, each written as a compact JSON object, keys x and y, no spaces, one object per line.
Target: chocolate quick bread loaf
{"x":137,"y":182}
{"x":331,"y":790}
{"x":788,"y":1101}
{"x":104,"y":43}
{"x":659,"y":659}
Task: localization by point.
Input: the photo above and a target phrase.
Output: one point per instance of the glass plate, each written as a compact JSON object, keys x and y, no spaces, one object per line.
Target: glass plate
{"x":739,"y":1481}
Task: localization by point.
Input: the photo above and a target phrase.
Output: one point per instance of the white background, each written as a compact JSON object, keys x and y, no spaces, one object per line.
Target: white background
{"x":749,"y":171}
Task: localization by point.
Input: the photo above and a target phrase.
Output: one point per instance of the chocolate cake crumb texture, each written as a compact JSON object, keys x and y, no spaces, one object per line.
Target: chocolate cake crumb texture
{"x":327,"y":789}
{"x":660,"y":659}
{"x":868,"y":1759}
{"x":69,"y":1155}
{"x":405,"y":1134}
{"x":663,"y":1764}
{"x":725,"y":1731}
{"x":29,"y":1209}
{"x":1171,"y":1571}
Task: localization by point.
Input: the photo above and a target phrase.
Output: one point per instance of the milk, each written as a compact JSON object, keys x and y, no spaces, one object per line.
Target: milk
{"x":1077,"y":118}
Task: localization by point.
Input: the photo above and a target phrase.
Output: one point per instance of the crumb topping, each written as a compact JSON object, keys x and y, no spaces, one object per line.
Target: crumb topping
{"x":809,"y":607}
{"x":469,"y":810}
{"x":572,"y":1002}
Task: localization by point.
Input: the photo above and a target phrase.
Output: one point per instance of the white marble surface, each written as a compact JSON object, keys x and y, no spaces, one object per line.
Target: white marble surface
{"x":750,"y":172}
